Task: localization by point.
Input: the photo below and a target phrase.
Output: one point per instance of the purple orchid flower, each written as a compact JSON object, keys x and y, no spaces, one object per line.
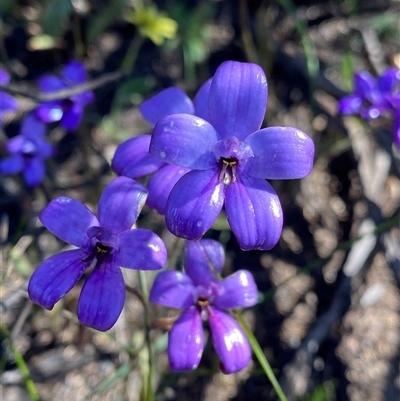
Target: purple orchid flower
{"x":28,"y":152}
{"x":230,"y":157}
{"x":103,"y":244}
{"x":203,"y":297}
{"x":374,"y":97}
{"x":132,"y":158}
{"x":68,"y":111}
{"x":7,"y":102}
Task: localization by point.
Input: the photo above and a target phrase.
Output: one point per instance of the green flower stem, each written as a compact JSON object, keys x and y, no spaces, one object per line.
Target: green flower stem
{"x":149,"y":392}
{"x":22,"y":366}
{"x":258,"y":352}
{"x":132,"y":53}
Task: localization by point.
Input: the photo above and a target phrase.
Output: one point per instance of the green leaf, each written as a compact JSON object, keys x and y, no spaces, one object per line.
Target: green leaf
{"x":348,"y":71}
{"x":57,"y":15}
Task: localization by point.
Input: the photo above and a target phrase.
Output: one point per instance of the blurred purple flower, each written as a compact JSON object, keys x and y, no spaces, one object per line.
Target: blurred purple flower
{"x":373,"y":98}
{"x":203,"y":297}
{"x":104,"y":244}
{"x":132,"y":158}
{"x":68,"y":111}
{"x":7,"y":102}
{"x":28,"y":152}
{"x":230,"y":157}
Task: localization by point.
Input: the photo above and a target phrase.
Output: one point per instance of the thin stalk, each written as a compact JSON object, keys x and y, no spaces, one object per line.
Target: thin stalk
{"x":131,"y":55}
{"x":258,"y":352}
{"x":149,"y":392}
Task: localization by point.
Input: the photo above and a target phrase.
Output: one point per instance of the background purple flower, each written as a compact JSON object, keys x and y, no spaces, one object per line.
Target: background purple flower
{"x":68,"y":111}
{"x":104,"y":244}
{"x":132,"y":158}
{"x":231,"y":158}
{"x":7,"y":102}
{"x":203,"y":297}
{"x":28,"y":152}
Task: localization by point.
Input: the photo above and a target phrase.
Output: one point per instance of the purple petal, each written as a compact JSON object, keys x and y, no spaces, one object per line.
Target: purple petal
{"x":68,"y":219}
{"x":12,"y":165}
{"x":229,"y":341}
{"x":50,"y":112}
{"x":51,"y":83}
{"x":72,"y":117}
{"x":238,"y":99}
{"x":55,"y":277}
{"x":173,"y":289}
{"x":186,"y":341}
{"x":236,"y":291}
{"x":184,"y":140}
{"x":44,"y":149}
{"x":102,"y":297}
{"x":34,"y":171}
{"x":4,"y":76}
{"x":83,"y":98}
{"x":140,"y":249}
{"x":15,"y":144}
{"x":280,"y":153}
{"x":120,"y":204}
{"x":32,"y":127}
{"x":7,"y":102}
{"x":201,"y":101}
{"x":388,"y":80}
{"x":364,"y":84}
{"x":74,"y":73}
{"x":202,"y":260}
{"x":169,"y":101}
{"x":254,"y":213}
{"x":194,"y":204}
{"x":351,"y":104}
{"x":132,"y":158}
{"x":161,"y":184}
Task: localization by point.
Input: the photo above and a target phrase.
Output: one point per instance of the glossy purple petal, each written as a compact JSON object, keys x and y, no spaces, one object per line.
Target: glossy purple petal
{"x":141,"y":249}
{"x":229,"y":341}
{"x":7,"y":102}
{"x":132,"y":158}
{"x":364,"y":84}
{"x":184,"y":140}
{"x":74,"y":73}
{"x":12,"y":165}
{"x":236,"y":291}
{"x":194,"y":204}
{"x":161,"y":184}
{"x":254,"y":213}
{"x":202,"y":259}
{"x":55,"y":277}
{"x":351,"y":104}
{"x":51,"y":83}
{"x":32,"y":127}
{"x":169,"y":101}
{"x":280,"y":153}
{"x":102,"y":297}
{"x":15,"y":144}
{"x":120,"y":204}
{"x":72,"y":117}
{"x":238,"y":99}
{"x":34,"y":171}
{"x":186,"y":341}
{"x":50,"y":112}
{"x":4,"y":76}
{"x":68,"y":219}
{"x":173,"y":289}
{"x":388,"y":80}
{"x":200,"y":101}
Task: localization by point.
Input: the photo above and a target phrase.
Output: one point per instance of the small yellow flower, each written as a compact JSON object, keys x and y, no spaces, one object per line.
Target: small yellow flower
{"x":153,"y":24}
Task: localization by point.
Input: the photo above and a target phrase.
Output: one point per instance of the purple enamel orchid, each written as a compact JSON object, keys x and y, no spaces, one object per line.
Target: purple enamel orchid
{"x":7,"y":102}
{"x":104,"y":244}
{"x":132,"y":158}
{"x":28,"y":152}
{"x":230,"y":158}
{"x":68,"y":111}
{"x":204,"y":298}
{"x":373,"y":98}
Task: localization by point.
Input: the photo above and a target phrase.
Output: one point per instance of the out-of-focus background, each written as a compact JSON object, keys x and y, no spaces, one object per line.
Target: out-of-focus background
{"x":328,"y":315}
